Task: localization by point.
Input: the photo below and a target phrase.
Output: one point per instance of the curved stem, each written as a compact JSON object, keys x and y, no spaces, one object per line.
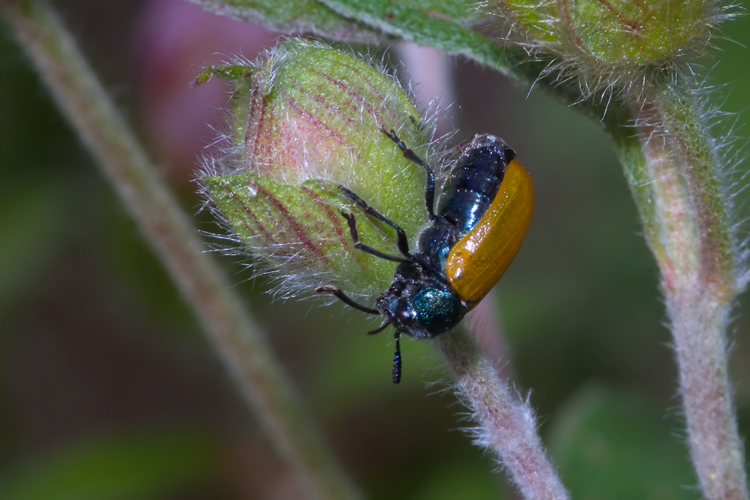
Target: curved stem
{"x":234,"y":335}
{"x":673,"y":169}
{"x":506,"y":424}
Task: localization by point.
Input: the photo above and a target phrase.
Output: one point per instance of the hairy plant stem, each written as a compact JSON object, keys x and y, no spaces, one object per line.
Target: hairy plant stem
{"x":234,"y":335}
{"x":506,"y":424}
{"x":673,"y":170}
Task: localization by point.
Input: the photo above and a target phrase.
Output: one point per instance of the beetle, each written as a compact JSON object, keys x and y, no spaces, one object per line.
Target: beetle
{"x":483,"y":214}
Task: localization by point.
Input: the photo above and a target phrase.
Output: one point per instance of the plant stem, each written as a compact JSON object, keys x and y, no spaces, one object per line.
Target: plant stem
{"x":234,"y":335}
{"x":674,"y":173}
{"x":506,"y":424}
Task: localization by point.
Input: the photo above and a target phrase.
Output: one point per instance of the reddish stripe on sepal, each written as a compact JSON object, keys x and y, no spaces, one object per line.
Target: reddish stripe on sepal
{"x":290,"y":219}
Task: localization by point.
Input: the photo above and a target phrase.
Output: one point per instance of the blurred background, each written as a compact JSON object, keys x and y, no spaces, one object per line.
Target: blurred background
{"x":109,"y":390}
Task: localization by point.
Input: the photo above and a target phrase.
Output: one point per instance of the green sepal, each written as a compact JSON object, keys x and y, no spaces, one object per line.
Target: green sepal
{"x":638,"y":33}
{"x":241,"y":76}
{"x":228,"y":72}
{"x":536,"y":19}
{"x":302,"y":229}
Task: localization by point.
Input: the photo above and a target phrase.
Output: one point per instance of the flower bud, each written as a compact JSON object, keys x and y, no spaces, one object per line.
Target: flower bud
{"x":636,"y":31}
{"x":608,"y":43}
{"x":305,"y":120}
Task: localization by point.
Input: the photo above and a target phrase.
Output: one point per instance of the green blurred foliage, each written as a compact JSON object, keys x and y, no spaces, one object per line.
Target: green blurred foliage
{"x":613,"y":444}
{"x":33,"y":218}
{"x":579,"y":304}
{"x":145,"y":465}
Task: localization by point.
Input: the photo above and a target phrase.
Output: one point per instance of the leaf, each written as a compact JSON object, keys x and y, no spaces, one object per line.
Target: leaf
{"x":454,"y":479}
{"x":433,"y":25}
{"x":135,"y":465}
{"x":442,"y":25}
{"x":294,"y":16}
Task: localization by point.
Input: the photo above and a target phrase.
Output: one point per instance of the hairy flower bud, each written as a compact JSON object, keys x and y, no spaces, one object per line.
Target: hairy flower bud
{"x":636,"y":31}
{"x":609,"y":43}
{"x":305,"y":120}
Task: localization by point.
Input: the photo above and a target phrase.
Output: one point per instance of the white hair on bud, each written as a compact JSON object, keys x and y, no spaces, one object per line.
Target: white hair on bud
{"x":565,"y":62}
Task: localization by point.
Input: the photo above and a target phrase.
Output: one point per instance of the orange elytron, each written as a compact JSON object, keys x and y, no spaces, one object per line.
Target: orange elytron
{"x":481,"y":257}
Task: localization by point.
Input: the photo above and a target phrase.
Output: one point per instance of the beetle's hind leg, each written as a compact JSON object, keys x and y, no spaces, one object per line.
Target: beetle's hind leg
{"x":429,"y":191}
{"x":401,"y":240}
{"x":366,"y":248}
{"x":336,"y":292}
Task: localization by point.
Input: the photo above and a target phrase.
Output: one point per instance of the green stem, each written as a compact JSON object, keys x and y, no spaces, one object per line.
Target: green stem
{"x":506,"y":424}
{"x":234,"y":335}
{"x":674,"y":173}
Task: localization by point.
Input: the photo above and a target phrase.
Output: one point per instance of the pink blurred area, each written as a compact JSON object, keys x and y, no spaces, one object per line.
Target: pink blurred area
{"x":173,"y":41}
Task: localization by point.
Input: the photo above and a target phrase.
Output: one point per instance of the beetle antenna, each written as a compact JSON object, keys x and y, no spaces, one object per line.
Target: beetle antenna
{"x":396,"y":373}
{"x":336,"y":292}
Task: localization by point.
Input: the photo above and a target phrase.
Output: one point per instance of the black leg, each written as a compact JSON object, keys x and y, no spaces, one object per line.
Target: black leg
{"x":361,"y":246}
{"x":429,"y":192}
{"x":396,"y":373}
{"x":336,"y":292}
{"x":401,"y":240}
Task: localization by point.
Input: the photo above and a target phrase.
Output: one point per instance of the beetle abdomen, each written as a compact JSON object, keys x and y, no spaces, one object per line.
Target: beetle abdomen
{"x":474,"y":181}
{"x":464,"y":209}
